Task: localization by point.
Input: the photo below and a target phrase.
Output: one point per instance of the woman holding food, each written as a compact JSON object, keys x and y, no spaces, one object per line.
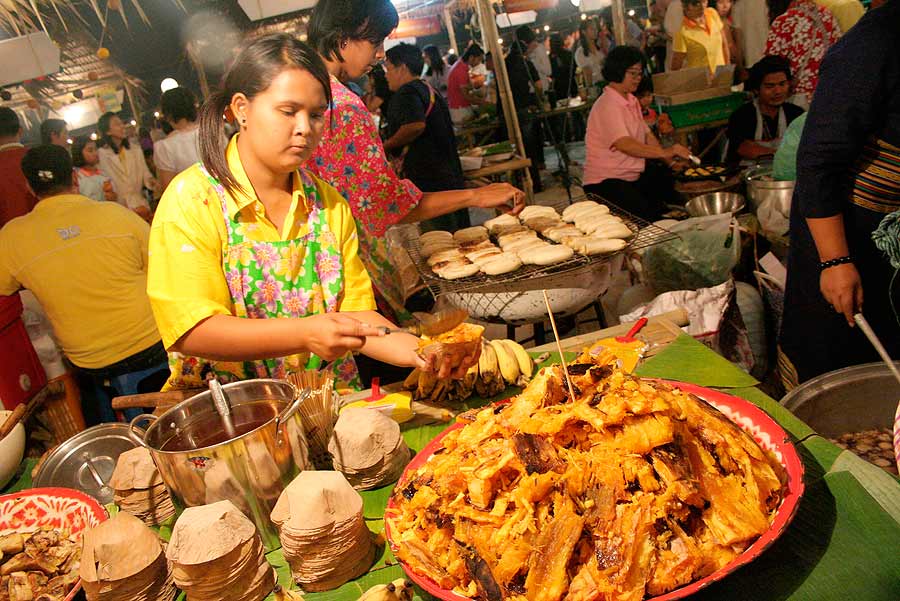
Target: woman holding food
{"x":253,"y":269}
{"x":349,"y":36}
{"x":619,"y":143}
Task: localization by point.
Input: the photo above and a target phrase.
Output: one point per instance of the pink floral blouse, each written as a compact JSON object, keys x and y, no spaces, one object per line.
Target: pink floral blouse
{"x":351,"y":158}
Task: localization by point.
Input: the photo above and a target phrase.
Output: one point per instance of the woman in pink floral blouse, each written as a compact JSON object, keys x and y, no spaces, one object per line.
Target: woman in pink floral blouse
{"x":802,"y":34}
{"x":349,"y":35}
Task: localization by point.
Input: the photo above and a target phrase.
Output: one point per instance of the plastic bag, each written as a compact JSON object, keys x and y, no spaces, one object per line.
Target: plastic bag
{"x":703,"y":255}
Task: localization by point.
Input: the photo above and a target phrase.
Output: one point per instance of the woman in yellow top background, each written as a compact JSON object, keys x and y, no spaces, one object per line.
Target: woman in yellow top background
{"x":253,"y":261}
{"x":701,"y":41}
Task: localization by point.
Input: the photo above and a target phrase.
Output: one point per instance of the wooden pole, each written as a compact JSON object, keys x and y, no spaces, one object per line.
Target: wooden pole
{"x":491,"y":37}
{"x":132,"y":102}
{"x":448,"y":23}
{"x":618,"y":24}
{"x":199,"y":69}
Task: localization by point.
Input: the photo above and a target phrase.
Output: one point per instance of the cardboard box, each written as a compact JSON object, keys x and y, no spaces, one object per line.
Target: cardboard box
{"x":690,"y":85}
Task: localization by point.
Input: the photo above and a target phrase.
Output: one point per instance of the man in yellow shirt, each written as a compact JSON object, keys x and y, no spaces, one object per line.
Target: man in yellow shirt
{"x":86,"y":262}
{"x":701,"y":41}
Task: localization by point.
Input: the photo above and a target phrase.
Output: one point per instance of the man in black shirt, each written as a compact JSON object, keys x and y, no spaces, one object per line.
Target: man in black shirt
{"x":525,"y":87}
{"x":755,"y":129}
{"x":420,"y":132}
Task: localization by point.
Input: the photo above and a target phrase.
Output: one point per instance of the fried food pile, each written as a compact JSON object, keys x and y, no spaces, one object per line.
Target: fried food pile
{"x":631,"y":491}
{"x":42,"y":566}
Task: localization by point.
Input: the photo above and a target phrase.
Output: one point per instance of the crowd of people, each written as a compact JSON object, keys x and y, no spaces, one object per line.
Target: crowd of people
{"x":251,"y":239}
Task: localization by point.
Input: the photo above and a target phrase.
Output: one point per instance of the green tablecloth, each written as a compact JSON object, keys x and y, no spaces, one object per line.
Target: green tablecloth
{"x":844,"y":543}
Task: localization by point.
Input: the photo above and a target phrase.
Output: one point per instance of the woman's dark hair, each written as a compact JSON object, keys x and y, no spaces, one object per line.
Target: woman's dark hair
{"x":256,"y":65}
{"x":473,"y":50}
{"x":78,"y":150}
{"x":50,"y":127}
{"x":557,"y":45}
{"x":337,"y":21}
{"x":452,"y":58}
{"x":767,"y":65}
{"x":645,"y":87}
{"x":619,"y":60}
{"x":692,"y":2}
{"x":177,"y":104}
{"x":777,"y":8}
{"x":582,"y":35}
{"x":105,"y":140}
{"x":437,"y":63}
{"x":48,"y":168}
{"x":406,"y":54}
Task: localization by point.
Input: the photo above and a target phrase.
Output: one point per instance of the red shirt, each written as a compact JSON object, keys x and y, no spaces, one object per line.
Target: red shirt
{"x":16,"y":198}
{"x":457,"y":81}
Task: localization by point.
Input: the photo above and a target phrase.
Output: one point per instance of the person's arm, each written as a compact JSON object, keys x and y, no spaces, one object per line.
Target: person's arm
{"x":726,"y":52}
{"x":493,"y":196}
{"x":588,"y":76}
{"x":750,"y":149}
{"x":678,"y":60}
{"x":405,"y":135}
{"x":472,"y":97}
{"x":165,"y":178}
{"x":846,"y":111}
{"x":8,"y":283}
{"x":632,"y":147}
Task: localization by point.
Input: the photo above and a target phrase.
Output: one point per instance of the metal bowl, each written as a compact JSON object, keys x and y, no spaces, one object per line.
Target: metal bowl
{"x":715,"y":203}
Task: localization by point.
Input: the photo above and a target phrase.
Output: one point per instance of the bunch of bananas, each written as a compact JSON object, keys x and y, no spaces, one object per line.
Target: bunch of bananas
{"x":502,"y":363}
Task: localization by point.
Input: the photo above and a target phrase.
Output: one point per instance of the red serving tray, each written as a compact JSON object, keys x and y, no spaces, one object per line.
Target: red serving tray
{"x":750,"y":418}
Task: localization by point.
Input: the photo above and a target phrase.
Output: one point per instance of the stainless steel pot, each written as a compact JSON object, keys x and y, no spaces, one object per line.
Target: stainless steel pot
{"x":761,"y":187}
{"x":852,"y":399}
{"x":200,"y":465}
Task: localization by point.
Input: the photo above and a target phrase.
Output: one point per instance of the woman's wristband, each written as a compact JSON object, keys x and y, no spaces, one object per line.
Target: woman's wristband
{"x":823,"y":265}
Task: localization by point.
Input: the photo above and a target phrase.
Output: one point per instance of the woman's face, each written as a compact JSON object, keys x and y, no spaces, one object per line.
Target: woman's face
{"x":283,"y":124}
{"x":591,"y":30}
{"x":427,"y":59}
{"x":360,"y":56}
{"x":632,"y":79}
{"x":724,"y":8}
{"x":693,"y":11}
{"x":89,"y":153}
{"x":116,"y":128}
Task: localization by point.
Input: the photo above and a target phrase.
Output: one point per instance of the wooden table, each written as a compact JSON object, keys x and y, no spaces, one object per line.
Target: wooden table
{"x":509,"y":167}
{"x":473,"y":135}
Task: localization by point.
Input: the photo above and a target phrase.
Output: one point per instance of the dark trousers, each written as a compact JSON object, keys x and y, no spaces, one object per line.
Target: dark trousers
{"x":143,"y":372}
{"x":647,"y":197}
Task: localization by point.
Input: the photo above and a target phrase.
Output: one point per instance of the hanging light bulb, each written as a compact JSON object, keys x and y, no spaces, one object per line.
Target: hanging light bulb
{"x":168,"y":84}
{"x":94,"y":136}
{"x":546,"y":28}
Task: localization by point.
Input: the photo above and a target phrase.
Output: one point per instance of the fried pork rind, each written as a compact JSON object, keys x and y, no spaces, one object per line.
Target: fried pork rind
{"x":43,"y":568}
{"x":632,"y":489}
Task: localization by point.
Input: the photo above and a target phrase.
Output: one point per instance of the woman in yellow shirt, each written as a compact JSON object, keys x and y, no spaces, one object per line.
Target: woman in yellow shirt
{"x":253,"y":261}
{"x":701,"y":41}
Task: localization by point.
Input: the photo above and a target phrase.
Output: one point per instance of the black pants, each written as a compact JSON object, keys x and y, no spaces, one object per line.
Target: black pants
{"x":647,"y":197}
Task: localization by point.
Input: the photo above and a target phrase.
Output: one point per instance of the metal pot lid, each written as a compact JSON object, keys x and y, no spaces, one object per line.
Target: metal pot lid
{"x":86,"y":461}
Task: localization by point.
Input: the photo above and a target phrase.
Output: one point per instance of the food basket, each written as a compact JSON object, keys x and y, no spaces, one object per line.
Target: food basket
{"x":60,"y":508}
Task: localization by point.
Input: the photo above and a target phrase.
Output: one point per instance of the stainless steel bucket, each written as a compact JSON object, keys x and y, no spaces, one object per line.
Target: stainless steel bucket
{"x":761,"y":188}
{"x":200,"y":465}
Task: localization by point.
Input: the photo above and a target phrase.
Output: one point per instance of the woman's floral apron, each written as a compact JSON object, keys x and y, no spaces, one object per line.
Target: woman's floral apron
{"x":285,"y":278}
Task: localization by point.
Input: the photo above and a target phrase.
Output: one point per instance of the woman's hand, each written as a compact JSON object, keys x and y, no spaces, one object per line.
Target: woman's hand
{"x":443,"y":367}
{"x":842,"y":288}
{"x":500,"y":196}
{"x":331,"y":335}
{"x":677,"y":151}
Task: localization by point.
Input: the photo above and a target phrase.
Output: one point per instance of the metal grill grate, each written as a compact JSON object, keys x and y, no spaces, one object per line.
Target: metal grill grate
{"x":534,"y":277}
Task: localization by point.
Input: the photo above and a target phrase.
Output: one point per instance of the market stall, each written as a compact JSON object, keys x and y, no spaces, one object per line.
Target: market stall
{"x":847,"y":518}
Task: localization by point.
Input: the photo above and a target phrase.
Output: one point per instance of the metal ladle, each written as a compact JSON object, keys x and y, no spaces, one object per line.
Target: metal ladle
{"x":222,"y":407}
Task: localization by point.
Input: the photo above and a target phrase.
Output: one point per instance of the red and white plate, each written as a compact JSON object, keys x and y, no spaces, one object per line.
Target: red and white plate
{"x":750,"y":418}
{"x":62,"y":508}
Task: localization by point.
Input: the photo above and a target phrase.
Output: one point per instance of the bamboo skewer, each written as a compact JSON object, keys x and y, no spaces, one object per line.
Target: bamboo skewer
{"x":562,"y":357}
